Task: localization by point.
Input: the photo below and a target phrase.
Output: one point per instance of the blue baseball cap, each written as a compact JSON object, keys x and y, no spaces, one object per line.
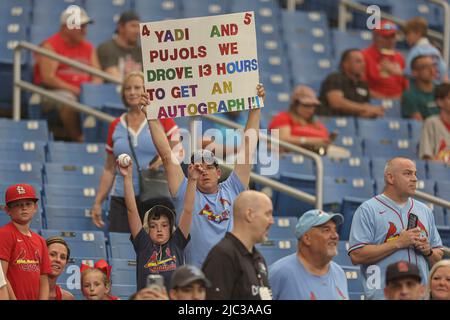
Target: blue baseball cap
{"x":314,"y":218}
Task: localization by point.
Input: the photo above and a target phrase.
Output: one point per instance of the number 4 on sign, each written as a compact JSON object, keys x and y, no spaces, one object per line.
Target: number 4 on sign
{"x":145,"y":31}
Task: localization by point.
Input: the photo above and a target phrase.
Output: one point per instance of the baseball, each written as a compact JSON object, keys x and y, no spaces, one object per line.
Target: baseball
{"x":124,"y":160}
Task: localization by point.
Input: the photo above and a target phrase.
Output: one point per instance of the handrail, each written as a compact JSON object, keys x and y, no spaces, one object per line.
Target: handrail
{"x":19,"y":84}
{"x":445,"y":37}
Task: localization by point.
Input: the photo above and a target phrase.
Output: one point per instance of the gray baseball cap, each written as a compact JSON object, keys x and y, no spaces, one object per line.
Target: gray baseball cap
{"x":314,"y":218}
{"x":185,"y":275}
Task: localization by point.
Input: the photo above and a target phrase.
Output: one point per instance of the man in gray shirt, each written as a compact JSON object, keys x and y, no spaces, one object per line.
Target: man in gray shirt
{"x":435,"y":137}
{"x":122,"y":54}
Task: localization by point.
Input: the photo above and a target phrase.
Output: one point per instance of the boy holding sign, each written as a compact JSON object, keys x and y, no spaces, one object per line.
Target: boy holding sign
{"x":213,"y":210}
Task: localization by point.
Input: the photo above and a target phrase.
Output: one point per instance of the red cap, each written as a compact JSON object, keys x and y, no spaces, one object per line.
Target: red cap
{"x":387,"y":28}
{"x":19,"y":192}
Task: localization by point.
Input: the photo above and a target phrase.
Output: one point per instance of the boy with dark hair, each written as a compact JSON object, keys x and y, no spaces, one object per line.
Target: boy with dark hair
{"x":435,"y":137}
{"x":23,"y":253}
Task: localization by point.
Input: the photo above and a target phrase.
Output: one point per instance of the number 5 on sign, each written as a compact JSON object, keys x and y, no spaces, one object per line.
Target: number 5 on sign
{"x":248,"y":18}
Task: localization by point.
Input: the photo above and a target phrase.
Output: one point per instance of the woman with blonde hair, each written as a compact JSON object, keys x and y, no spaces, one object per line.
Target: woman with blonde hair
{"x":127,"y":132}
{"x":438,"y":287}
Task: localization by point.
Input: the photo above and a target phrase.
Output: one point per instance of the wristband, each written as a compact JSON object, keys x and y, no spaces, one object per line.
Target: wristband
{"x":430,"y":254}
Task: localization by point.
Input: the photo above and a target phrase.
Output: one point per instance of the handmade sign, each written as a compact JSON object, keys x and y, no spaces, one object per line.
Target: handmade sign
{"x":201,"y":65}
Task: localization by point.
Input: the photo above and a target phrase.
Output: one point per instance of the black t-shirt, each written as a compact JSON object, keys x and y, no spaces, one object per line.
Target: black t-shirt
{"x":156,"y":259}
{"x":234,"y":272}
{"x":357,"y":91}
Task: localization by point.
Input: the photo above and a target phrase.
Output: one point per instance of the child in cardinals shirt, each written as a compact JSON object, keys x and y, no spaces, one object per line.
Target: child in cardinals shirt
{"x":23,"y":253}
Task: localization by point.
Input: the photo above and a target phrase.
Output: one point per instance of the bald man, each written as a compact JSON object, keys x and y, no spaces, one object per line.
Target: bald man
{"x":237,"y":270}
{"x":384,"y":231}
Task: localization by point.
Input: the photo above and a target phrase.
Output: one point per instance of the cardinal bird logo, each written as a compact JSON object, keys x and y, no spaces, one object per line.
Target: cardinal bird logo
{"x":423,"y":230}
{"x":224,"y":202}
{"x":392,"y":232}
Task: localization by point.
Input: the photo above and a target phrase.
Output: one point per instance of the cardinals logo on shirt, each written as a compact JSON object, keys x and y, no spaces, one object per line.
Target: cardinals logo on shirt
{"x":168,"y":263}
{"x":206,"y":211}
{"x":392,"y":232}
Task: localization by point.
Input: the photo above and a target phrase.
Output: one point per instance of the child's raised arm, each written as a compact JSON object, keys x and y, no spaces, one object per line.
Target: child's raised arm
{"x":134,"y":221}
{"x":194,"y":173}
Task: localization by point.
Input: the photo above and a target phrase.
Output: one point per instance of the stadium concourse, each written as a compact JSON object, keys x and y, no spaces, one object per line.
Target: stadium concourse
{"x":294,"y":47}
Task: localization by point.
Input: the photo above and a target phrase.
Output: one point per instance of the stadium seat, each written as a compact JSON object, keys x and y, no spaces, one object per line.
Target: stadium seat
{"x":350,"y":39}
{"x":88,"y":244}
{"x":79,"y":153}
{"x":383,"y":128}
{"x":346,"y":168}
{"x":287,"y":206}
{"x":16,"y":11}
{"x":392,"y":108}
{"x":351,"y":143}
{"x":123,"y":272}
{"x":123,"y":292}
{"x":344,"y":126}
{"x":274,"y":250}
{"x":441,"y":219}
{"x":415,"y":129}
{"x":283,"y":228}
{"x":438,"y":171}
{"x":204,"y":8}
{"x":443,"y":188}
{"x":158,"y":9}
{"x":121,"y":246}
{"x":348,"y":207}
{"x":294,"y":22}
{"x":296,"y":164}
{"x":354,"y":282}
{"x":96,"y":95}
{"x":387,"y":148}
{"x":342,"y":257}
{"x":64,"y":217}
{"x":25,"y":130}
{"x":66,"y":174}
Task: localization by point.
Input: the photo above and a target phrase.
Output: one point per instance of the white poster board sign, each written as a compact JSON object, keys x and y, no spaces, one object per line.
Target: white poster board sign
{"x":200,"y":65}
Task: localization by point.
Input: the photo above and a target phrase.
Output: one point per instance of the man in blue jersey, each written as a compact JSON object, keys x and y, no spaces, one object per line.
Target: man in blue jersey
{"x":213,"y":209}
{"x":379,"y":235}
{"x":309,"y":274}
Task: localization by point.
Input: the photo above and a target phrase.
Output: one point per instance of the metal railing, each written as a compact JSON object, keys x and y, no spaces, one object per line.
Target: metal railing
{"x":444,"y":37}
{"x":19,"y":85}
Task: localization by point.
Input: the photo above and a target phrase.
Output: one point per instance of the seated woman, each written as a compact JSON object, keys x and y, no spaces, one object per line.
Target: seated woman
{"x":59,"y":252}
{"x":298,"y":126}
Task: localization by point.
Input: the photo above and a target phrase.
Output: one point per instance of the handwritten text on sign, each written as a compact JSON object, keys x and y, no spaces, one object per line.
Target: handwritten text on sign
{"x":200,"y":66}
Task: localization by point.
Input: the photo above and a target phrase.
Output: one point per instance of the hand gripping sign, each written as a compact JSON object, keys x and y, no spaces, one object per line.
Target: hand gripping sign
{"x":201,"y":65}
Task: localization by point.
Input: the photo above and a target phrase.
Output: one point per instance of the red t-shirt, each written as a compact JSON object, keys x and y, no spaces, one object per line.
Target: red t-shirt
{"x":27,"y":258}
{"x":81,"y":52}
{"x":316,"y":129}
{"x":385,"y":84}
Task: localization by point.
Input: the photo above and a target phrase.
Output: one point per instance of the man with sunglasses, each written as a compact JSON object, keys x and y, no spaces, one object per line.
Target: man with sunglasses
{"x":23,"y":254}
{"x":418,"y":101}
{"x":384,"y":65}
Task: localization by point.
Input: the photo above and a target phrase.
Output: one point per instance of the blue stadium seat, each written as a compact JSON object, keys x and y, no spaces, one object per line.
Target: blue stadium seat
{"x":69,"y":218}
{"x":354,"y":282}
{"x":342,"y":257}
{"x":123,"y":272}
{"x":296,"y":164}
{"x":88,"y":244}
{"x":337,"y":191}
{"x":310,"y":70}
{"x":106,"y":12}
{"x":443,"y":188}
{"x":16,"y":11}
{"x":204,"y":8}
{"x":285,"y":205}
{"x":392,"y":108}
{"x":65,"y":174}
{"x":96,"y":95}
{"x":348,"y":207}
{"x":350,"y":39}
{"x":283,"y":228}
{"x":274,"y":250}
{"x":25,"y":130}
{"x":80,"y":153}
{"x":346,"y":168}
{"x":387,"y":148}
{"x":157,"y":10}
{"x":441,"y":219}
{"x":294,"y":22}
{"x":438,"y":171}
{"x":383,"y":128}
{"x":123,"y":292}
{"x":415,"y":129}
{"x":39,"y":33}
{"x":344,"y":126}
{"x":351,"y":143}
{"x":121,"y":246}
